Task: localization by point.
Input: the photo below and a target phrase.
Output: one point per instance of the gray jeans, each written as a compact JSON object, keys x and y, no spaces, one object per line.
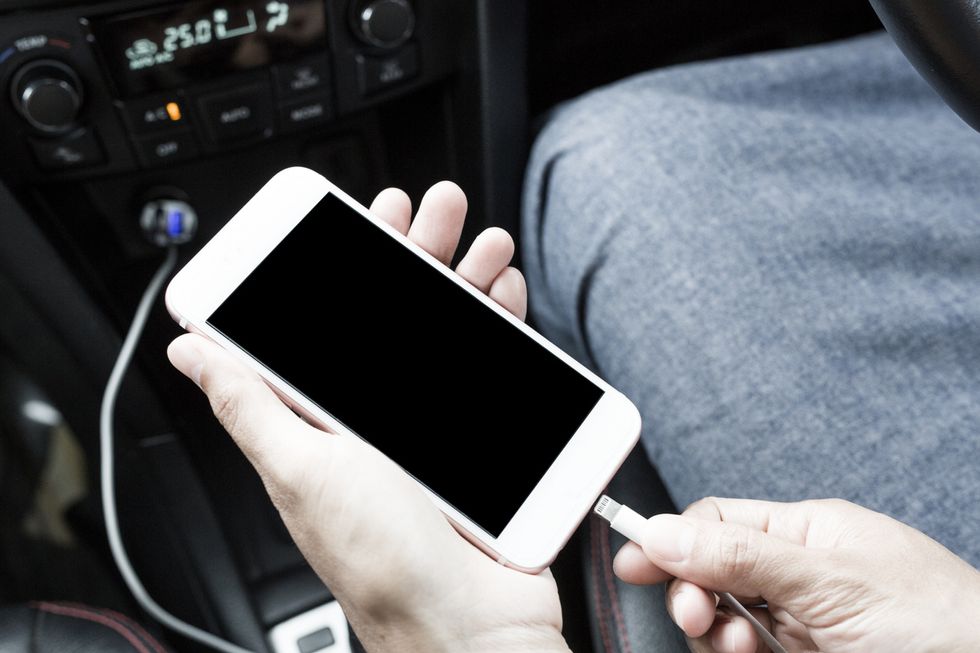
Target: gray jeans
{"x":777,"y":257}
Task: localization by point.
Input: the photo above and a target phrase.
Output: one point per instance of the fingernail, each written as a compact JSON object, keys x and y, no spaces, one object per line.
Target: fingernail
{"x":669,"y":538}
{"x":731,"y":635}
{"x":186,"y":358}
{"x":678,"y":608}
{"x":721,"y":636}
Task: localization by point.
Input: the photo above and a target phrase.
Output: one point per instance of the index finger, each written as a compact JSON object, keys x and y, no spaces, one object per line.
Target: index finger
{"x":787,"y":521}
{"x":394,"y":207}
{"x":439,"y":222}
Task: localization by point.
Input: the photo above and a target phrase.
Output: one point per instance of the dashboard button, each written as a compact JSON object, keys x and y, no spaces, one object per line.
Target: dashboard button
{"x":380,"y":73}
{"x":156,"y":114}
{"x":308,"y":76}
{"x":77,"y":150}
{"x":163,"y":150}
{"x":239,"y":114}
{"x":316,"y":642}
{"x":298,"y":115}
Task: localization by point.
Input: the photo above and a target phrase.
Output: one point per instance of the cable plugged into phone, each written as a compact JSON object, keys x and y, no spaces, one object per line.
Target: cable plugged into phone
{"x":630,"y":524}
{"x":167,"y":222}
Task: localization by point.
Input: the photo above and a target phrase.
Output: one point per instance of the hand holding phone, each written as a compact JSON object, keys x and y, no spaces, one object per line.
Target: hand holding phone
{"x":406,"y":579}
{"x":509,"y":436}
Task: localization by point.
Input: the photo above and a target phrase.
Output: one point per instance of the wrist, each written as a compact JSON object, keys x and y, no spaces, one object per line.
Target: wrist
{"x":416,"y":615}
{"x":443,"y":637}
{"x":517,"y":639}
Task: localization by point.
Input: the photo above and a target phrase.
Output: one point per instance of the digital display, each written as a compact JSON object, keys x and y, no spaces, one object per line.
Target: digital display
{"x":461,"y":399}
{"x":170,"y":47}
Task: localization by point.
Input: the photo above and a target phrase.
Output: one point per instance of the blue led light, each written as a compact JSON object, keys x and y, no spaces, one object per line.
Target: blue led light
{"x":175,"y":223}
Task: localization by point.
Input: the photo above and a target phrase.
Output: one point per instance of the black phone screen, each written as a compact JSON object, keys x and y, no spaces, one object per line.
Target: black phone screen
{"x":411,"y":362}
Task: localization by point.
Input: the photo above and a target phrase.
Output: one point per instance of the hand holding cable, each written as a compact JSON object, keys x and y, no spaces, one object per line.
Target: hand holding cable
{"x":825,"y":576}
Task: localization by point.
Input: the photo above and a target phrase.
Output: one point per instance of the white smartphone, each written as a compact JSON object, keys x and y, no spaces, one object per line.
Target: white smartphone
{"x":362,"y":331}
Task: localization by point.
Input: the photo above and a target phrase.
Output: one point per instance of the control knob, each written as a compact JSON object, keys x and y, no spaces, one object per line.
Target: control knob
{"x":48,"y":94}
{"x":384,"y":23}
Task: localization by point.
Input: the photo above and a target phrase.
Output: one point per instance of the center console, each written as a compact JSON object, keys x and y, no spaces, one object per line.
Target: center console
{"x":106,"y":106}
{"x":111,"y":88}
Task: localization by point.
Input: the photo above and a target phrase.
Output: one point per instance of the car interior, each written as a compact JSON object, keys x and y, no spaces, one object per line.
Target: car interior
{"x":113,"y":112}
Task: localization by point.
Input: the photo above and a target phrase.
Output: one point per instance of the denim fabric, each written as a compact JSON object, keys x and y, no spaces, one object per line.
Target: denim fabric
{"x":777,"y":257}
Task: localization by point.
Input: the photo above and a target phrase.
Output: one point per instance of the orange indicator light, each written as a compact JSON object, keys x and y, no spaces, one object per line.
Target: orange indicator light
{"x":173,"y":110}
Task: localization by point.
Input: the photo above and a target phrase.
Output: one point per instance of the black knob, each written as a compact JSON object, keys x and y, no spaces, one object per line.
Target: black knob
{"x":48,"y":95}
{"x":384,"y":23}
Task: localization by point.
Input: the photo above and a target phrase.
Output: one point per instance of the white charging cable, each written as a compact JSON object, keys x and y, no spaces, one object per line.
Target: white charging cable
{"x":106,"y":445}
{"x":630,"y":524}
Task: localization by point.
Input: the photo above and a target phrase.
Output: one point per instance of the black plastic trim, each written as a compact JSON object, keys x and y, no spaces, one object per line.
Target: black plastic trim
{"x":942,"y":40}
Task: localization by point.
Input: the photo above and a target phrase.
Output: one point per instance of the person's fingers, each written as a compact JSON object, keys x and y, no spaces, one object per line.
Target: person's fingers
{"x":700,"y":645}
{"x":787,"y":521}
{"x":723,"y":556}
{"x":394,"y":207}
{"x":439,"y":222}
{"x":764,"y":617}
{"x":489,"y":254}
{"x":510,"y":291}
{"x":691,"y":607}
{"x":262,"y":426}
{"x":733,"y":634}
{"x":706,"y":642}
{"x":696,"y":613}
{"x":632,"y":566}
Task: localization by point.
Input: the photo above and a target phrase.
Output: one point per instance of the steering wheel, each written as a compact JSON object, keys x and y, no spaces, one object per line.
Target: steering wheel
{"x":942,"y":40}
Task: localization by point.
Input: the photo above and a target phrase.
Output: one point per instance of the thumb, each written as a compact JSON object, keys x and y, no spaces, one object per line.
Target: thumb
{"x":257,"y":420}
{"x":730,"y":557}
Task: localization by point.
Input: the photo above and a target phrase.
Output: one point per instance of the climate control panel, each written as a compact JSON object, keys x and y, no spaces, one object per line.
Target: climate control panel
{"x":144,"y":85}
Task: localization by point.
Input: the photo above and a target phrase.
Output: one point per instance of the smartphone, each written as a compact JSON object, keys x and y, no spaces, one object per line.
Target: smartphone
{"x":361,"y":331}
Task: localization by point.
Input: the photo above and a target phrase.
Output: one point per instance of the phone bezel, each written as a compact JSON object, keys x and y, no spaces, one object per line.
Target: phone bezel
{"x":559,"y":501}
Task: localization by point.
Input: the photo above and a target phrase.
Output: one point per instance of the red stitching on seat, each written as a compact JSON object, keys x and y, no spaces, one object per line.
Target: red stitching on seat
{"x":611,"y":587}
{"x":87,"y":614}
{"x":134,"y":626}
{"x":119,"y":618}
{"x":596,"y":595}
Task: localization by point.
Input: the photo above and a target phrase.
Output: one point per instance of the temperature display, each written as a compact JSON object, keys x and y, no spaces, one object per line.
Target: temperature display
{"x":166,"y":48}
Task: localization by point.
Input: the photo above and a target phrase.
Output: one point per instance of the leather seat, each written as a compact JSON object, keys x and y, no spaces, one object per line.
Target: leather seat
{"x":628,"y":618}
{"x":49,"y":627}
